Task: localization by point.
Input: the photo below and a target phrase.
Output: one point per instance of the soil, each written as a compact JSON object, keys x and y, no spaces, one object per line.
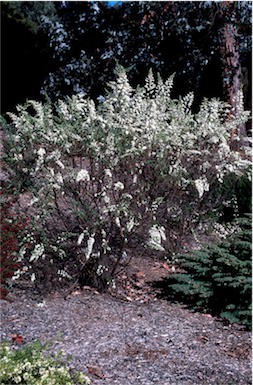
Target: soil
{"x":128,"y":335}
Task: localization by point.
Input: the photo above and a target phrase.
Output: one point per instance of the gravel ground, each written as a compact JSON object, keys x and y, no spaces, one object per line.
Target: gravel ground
{"x":120,"y":342}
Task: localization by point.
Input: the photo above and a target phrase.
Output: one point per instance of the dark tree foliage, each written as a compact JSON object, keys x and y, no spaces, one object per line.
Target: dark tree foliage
{"x":86,"y":39}
{"x":78,"y":39}
{"x":180,"y":37}
{"x":24,"y":49}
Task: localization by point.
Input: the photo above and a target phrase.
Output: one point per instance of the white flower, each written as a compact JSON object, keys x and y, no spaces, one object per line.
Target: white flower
{"x":230,"y":167}
{"x":22,"y":252}
{"x":223,"y":150}
{"x":101,"y":269}
{"x":33,"y":200}
{"x":83,"y":175}
{"x":16,"y":275}
{"x":41,"y":152}
{"x":80,"y":239}
{"x":56,"y":186}
{"x":64,"y":274}
{"x":56,"y":154}
{"x":16,"y":138}
{"x":106,"y":199}
{"x":59,"y":178}
{"x":117,"y":221}
{"x":90,"y":244}
{"x":33,"y":277}
{"x":51,"y":171}
{"x":60,"y":164}
{"x":37,"y":252}
{"x":201,"y":185}
{"x":130,"y":224}
{"x":157,"y":235}
{"x":119,"y":186}
{"x":108,"y":172}
{"x":18,"y":156}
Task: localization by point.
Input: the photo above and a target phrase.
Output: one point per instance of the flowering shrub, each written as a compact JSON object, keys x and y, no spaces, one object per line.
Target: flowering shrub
{"x":11,"y":228}
{"x":28,"y":366}
{"x":137,"y":163}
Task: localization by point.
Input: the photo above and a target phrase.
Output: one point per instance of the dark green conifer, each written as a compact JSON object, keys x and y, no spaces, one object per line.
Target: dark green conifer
{"x":217,"y":278}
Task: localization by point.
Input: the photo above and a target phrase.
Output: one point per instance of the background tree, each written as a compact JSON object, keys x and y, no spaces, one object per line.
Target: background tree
{"x":87,"y":39}
{"x":231,"y":70}
{"x":180,"y":37}
{"x":25,"y":50}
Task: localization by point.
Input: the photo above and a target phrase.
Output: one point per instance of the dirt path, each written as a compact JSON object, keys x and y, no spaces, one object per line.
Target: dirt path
{"x":132,"y":338}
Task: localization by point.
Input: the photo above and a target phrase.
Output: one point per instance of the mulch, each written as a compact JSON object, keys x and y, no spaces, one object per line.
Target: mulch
{"x":129,"y":336}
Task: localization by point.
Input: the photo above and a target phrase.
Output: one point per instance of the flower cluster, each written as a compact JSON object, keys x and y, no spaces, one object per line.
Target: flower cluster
{"x":28,"y":366}
{"x":157,"y":236}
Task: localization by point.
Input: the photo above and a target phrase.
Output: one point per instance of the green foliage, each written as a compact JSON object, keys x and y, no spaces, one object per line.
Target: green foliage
{"x":217,"y":278}
{"x":28,"y":13}
{"x":243,"y":192}
{"x":237,"y":201}
{"x":28,"y":365}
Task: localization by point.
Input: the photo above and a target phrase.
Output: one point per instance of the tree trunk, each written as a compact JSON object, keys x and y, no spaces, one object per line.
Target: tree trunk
{"x":230,"y":63}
